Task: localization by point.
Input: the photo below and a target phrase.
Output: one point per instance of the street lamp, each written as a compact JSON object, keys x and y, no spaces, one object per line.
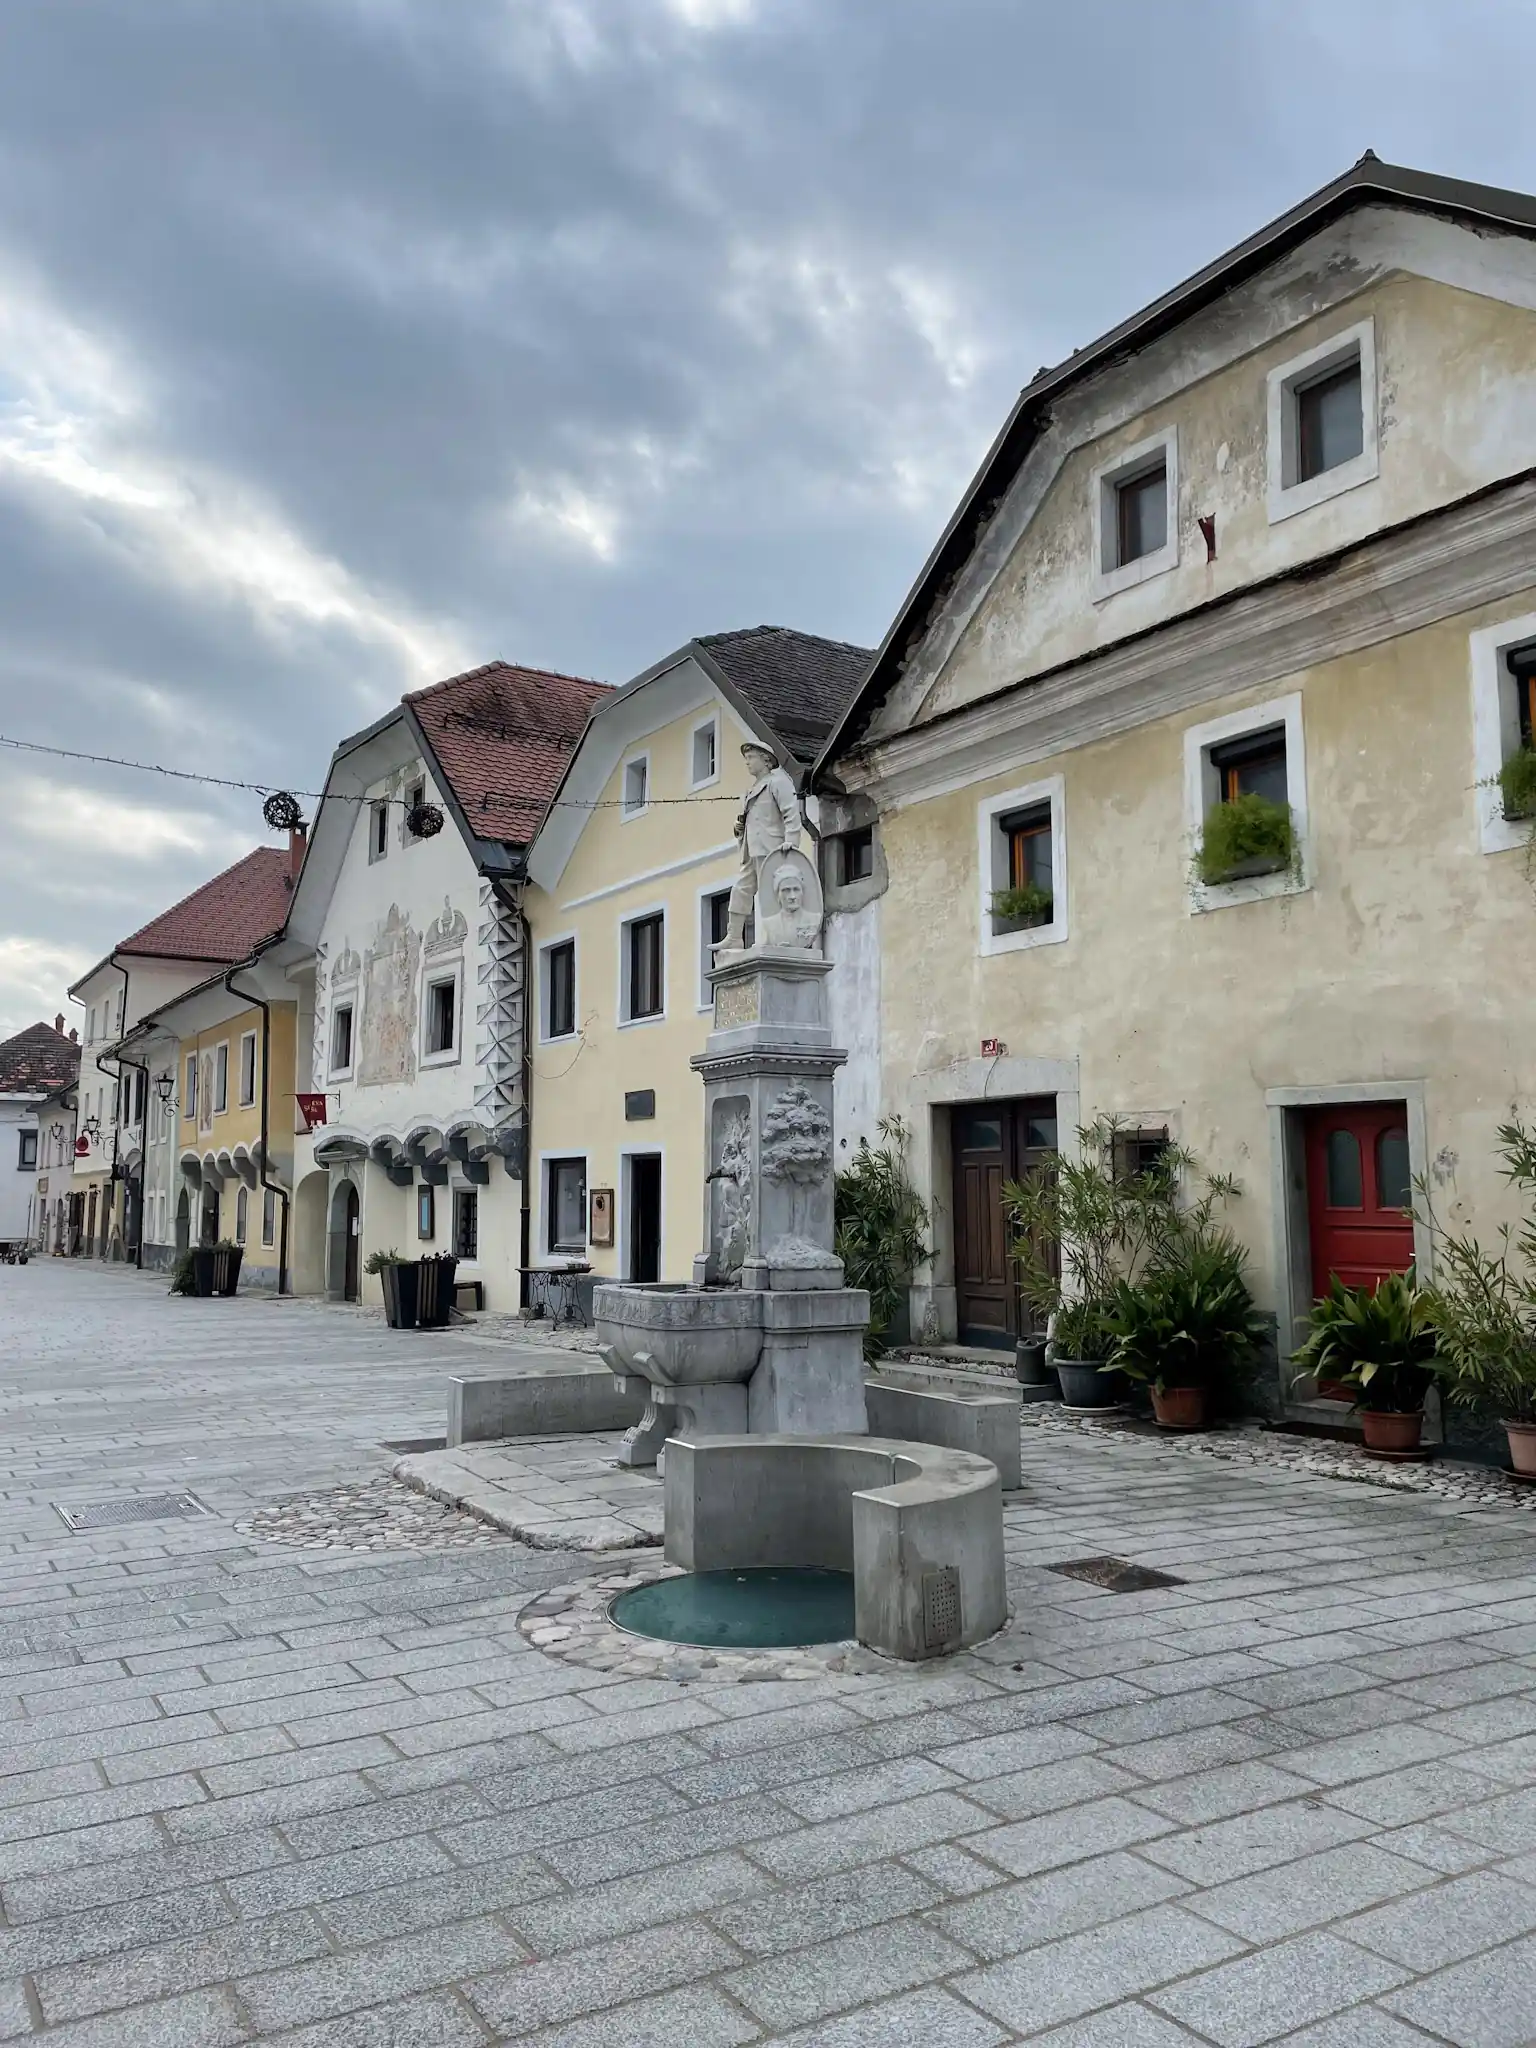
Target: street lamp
{"x":165,"y":1088}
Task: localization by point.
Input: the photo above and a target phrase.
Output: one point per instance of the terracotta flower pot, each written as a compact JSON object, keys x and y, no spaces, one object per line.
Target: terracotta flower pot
{"x":1522,"y":1447}
{"x":1388,"y":1432}
{"x":1179,"y":1407}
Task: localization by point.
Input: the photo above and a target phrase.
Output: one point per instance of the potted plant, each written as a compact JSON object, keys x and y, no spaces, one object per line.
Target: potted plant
{"x":398,"y":1277}
{"x":183,"y":1275}
{"x":1187,"y":1325}
{"x":1517,"y":784}
{"x":1020,"y":909}
{"x":1250,"y":835}
{"x":880,"y":1226}
{"x":434,"y":1289}
{"x":1483,"y":1308}
{"x":1379,"y":1342}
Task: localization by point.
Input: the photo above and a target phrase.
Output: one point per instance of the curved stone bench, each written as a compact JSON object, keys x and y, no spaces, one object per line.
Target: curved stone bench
{"x":919,"y":1526}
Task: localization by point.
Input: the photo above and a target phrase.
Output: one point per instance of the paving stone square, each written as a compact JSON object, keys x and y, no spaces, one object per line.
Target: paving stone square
{"x":294,"y":1772}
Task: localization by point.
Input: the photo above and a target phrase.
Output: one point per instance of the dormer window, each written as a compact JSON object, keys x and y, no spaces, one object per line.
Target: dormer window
{"x":637,"y":785}
{"x":1322,"y":422}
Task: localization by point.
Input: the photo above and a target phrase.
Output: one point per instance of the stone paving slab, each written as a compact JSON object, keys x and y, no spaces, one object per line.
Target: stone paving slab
{"x":299,"y":1772}
{"x":552,"y":1493}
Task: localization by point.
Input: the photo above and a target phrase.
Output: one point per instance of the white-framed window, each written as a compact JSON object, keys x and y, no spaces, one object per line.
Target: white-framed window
{"x":378,"y":830}
{"x":247,"y":1068}
{"x":466,"y":1223}
{"x":415,"y":795}
{"x":26,"y":1152}
{"x":242,"y":1213}
{"x":1503,"y":662}
{"x":189,"y":1089}
{"x":1022,"y":853}
{"x":643,"y":967}
{"x":557,"y":988}
{"x":269,"y":1216}
{"x":636,"y":785}
{"x":1258,"y":753}
{"x":1322,"y":421}
{"x":565,"y":1205}
{"x":704,"y":753}
{"x":440,"y":1018}
{"x":1136,"y":514}
{"x":341,"y":1041}
{"x":221,"y":1078}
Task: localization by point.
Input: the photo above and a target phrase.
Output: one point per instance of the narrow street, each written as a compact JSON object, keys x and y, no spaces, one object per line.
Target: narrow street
{"x":312,"y":1792}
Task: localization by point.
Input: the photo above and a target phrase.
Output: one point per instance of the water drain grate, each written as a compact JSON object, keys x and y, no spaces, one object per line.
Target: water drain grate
{"x":408,"y":1446}
{"x":142,"y":1507}
{"x":941,"y":1607}
{"x":1115,"y":1574}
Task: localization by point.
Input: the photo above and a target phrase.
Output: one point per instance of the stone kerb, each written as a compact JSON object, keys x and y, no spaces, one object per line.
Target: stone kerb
{"x":919,"y":1526}
{"x":979,"y":1421}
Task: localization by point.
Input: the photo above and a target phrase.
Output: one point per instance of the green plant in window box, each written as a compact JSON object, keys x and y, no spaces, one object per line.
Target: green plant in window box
{"x":1026,"y":905}
{"x":1250,"y":835}
{"x":1379,"y":1342}
{"x":1517,"y":783}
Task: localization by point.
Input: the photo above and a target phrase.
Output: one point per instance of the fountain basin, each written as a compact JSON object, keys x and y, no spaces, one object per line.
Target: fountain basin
{"x":679,"y":1336}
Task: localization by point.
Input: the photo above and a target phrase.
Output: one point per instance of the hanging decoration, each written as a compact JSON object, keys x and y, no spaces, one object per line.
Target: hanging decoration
{"x":424,"y":821}
{"x":281,"y":811}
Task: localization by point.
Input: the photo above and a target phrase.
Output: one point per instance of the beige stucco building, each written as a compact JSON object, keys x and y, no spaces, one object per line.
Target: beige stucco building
{"x":1271,"y":539}
{"x":629,"y":880}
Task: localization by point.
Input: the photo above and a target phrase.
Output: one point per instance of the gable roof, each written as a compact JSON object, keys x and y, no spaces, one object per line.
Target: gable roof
{"x":37,"y":1060}
{"x":225,"y":918}
{"x":1368,"y":182}
{"x":501,"y":736}
{"x":797,"y":682}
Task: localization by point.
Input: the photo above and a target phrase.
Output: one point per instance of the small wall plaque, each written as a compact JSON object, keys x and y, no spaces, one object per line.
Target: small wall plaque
{"x":639,"y":1105}
{"x":600,"y":1219}
{"x":426,"y":1212}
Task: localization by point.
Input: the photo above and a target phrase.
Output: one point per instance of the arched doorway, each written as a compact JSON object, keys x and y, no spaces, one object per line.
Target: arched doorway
{"x":345,"y":1243}
{"x":309,"y":1233}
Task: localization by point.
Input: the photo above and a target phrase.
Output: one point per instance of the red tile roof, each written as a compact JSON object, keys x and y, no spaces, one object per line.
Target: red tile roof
{"x":502,"y":736}
{"x":226,"y":917}
{"x":36,"y":1060}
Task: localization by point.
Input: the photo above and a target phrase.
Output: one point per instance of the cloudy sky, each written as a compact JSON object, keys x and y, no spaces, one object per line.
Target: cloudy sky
{"x":345,"y":343}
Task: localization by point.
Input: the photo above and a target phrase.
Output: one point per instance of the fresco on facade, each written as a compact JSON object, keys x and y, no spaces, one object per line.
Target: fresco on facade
{"x":388,"y":1044}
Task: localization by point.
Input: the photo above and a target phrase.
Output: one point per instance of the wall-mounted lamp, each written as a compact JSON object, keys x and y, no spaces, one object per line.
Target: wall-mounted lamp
{"x":165,"y":1088}
{"x":92,"y":1128}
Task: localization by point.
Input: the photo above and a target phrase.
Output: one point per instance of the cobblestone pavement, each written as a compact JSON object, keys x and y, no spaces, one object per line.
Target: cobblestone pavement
{"x":336,"y":1799}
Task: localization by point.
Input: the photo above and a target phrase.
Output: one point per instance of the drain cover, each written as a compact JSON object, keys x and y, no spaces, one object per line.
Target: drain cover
{"x":1114,"y":1574}
{"x":772,"y":1609}
{"x":408,"y":1446}
{"x":143,"y":1507}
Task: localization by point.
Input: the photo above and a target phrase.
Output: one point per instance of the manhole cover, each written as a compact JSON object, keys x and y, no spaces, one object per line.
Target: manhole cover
{"x":143,"y":1507}
{"x":1114,"y":1574}
{"x":774,"y":1609}
{"x":408,"y":1446}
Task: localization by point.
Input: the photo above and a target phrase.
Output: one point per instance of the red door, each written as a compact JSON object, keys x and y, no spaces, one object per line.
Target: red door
{"x":1358,"y":1192}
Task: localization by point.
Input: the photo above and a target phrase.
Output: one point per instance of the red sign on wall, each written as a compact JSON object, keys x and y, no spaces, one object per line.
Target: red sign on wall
{"x":82,"y":1146}
{"x":312,"y":1109}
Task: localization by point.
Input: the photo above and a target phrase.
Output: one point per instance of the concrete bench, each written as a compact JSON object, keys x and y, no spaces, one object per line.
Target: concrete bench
{"x":556,"y":1394}
{"x":919,"y":1526}
{"x":979,"y":1419}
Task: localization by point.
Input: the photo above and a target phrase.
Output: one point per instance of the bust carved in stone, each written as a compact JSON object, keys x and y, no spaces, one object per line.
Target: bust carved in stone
{"x":792,"y":921}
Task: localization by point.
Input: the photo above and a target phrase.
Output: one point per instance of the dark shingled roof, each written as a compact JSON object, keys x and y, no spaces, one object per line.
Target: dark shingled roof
{"x":502,"y":736}
{"x":37,"y":1060}
{"x":798,"y":681}
{"x":225,"y":918}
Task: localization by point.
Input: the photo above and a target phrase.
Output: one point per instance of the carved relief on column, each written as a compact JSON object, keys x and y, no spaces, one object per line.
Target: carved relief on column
{"x":499,"y":1014}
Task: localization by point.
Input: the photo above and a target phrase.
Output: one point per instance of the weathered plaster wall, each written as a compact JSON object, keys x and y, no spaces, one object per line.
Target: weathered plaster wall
{"x":1411,"y":956}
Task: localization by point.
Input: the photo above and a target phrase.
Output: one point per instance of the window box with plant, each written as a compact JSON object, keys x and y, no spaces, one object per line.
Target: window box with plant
{"x":398,"y":1277}
{"x":1245,"y":836}
{"x":1379,"y":1342}
{"x":1517,"y":785}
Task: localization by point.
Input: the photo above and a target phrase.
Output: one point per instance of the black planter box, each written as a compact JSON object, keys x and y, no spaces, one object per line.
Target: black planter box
{"x":226,"y":1270}
{"x":434,"y":1297}
{"x":401,"y":1286}
{"x":202,"y":1271}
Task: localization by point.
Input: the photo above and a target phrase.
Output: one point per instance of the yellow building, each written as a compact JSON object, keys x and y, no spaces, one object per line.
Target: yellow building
{"x":629,"y":879}
{"x":1268,"y":544}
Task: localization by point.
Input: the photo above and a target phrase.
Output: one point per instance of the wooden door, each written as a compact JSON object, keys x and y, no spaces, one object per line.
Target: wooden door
{"x":645,"y":1216}
{"x":1358,"y":1193}
{"x":992,"y":1143}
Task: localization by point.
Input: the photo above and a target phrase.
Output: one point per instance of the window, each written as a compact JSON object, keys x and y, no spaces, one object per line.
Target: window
{"x":1503,"y":731}
{"x":189,"y":1089}
{"x":26,"y":1158}
{"x":466,"y":1223}
{"x":242,"y":1213}
{"x":90,"y":1026}
{"x":1346,"y":1185}
{"x":268,"y":1216}
{"x":442,"y":1004}
{"x":1135,"y":501}
{"x":1138,"y":1152}
{"x":567,"y":1205}
{"x":637,"y":785}
{"x":220,"y":1080}
{"x":856,"y":856}
{"x":1322,"y":422}
{"x":714,"y":916}
{"x":247,"y":1069}
{"x":560,"y":989}
{"x":1023,"y":847}
{"x":341,"y":1039}
{"x":414,"y":796}
{"x":1394,"y":1175}
{"x":1261,"y":851}
{"x":140,"y":1093}
{"x":645,"y":967}
{"x":378,"y":831}
{"x":705,"y":751}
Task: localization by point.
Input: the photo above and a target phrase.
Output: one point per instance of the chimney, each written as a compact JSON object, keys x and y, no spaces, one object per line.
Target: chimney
{"x":74,"y":1035}
{"x":298,"y":838}
{"x":58,"y":1023}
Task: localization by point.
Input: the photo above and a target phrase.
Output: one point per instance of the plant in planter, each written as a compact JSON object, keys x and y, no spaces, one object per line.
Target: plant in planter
{"x":397,"y":1277}
{"x":1188,"y":1324}
{"x":880,"y":1226}
{"x":1024,"y":906}
{"x":434,"y":1289}
{"x":1250,"y":835}
{"x":1517,"y":784}
{"x":227,"y":1259}
{"x":1380,"y":1343}
{"x":183,"y":1280}
{"x":1483,"y":1308}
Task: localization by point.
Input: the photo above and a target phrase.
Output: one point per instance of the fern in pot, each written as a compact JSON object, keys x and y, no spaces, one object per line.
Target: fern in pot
{"x":1379,"y":1342}
{"x":1188,"y":1328}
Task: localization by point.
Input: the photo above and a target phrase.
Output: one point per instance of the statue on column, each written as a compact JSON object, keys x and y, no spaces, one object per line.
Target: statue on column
{"x":768,"y":826}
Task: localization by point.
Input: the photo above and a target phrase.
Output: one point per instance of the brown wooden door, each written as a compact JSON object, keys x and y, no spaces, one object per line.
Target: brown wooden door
{"x":992,"y":1143}
{"x":1358,"y":1193}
